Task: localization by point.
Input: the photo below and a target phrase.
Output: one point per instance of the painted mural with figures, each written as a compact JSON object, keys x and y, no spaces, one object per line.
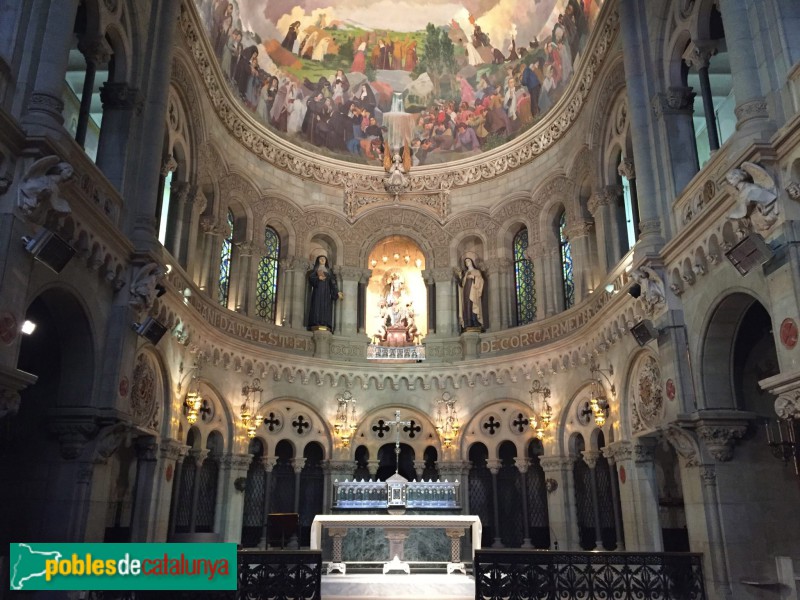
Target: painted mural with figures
{"x":350,"y":79}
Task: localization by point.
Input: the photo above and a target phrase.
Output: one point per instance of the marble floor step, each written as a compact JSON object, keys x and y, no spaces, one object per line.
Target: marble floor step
{"x":398,"y":587}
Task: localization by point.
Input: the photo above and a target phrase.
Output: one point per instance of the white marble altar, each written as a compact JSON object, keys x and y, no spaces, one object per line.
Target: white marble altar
{"x":396,"y":528}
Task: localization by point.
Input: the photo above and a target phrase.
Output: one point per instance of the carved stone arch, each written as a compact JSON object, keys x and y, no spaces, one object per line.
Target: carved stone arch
{"x":325,"y":238}
{"x":611,"y":82}
{"x":183,"y":79}
{"x":368,"y":437}
{"x":568,"y":422}
{"x":583,"y":165}
{"x":413,"y":223}
{"x":674,"y":48}
{"x":373,"y":238}
{"x":120,"y":44}
{"x":548,"y":224}
{"x":223,"y":418}
{"x":474,"y":239}
{"x":290,"y":408}
{"x":700,"y":19}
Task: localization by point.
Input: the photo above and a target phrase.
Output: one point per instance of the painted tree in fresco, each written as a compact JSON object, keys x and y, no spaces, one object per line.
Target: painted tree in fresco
{"x":439,"y":60}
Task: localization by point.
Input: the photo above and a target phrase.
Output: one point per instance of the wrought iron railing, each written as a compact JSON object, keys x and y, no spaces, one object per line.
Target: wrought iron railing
{"x":262,"y":575}
{"x":545,"y":575}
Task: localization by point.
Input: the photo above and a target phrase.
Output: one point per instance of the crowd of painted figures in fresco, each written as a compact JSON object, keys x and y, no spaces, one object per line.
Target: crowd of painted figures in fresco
{"x":496,"y":94}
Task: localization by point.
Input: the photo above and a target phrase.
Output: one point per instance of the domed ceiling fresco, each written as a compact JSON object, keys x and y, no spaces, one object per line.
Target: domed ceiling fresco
{"x":352,"y":79}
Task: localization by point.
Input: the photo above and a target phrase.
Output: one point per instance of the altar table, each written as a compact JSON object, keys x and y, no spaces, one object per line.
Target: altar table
{"x":396,"y":528}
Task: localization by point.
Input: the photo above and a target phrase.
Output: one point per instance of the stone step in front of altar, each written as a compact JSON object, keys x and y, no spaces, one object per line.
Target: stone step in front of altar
{"x":398,"y":587}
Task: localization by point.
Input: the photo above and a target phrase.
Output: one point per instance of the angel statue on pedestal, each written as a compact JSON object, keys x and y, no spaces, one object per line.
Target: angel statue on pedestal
{"x":397,"y":165}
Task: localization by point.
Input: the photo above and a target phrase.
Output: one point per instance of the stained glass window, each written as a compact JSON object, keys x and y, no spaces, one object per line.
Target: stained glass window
{"x":524,"y":280}
{"x":225,"y":262}
{"x":566,"y":263}
{"x":267,"y":291}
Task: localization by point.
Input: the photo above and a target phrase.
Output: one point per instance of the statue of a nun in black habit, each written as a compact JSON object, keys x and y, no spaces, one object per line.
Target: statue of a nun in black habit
{"x":324,"y":294}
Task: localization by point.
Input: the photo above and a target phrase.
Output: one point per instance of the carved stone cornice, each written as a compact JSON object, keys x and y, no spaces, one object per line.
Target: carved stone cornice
{"x":269,"y":147}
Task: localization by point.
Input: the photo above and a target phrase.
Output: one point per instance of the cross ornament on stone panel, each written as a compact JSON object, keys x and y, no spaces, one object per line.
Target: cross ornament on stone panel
{"x":491,"y":424}
{"x":397,"y":422}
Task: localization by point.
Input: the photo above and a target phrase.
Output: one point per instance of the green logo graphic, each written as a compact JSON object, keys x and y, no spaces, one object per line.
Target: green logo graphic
{"x":123,"y":566}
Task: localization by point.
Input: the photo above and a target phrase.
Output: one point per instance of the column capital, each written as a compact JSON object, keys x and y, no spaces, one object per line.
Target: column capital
{"x":578,"y":228}
{"x":269,"y":462}
{"x":147,"y":448}
{"x":498,"y":265}
{"x":298,"y":464}
{"x":236,"y":462}
{"x":698,"y":53}
{"x":494,"y":465}
{"x":440,"y":274}
{"x":211,"y":226}
{"x":247,"y":248}
{"x":626,"y":169}
{"x":198,"y":455}
{"x":719,"y":430}
{"x":168,"y":165}
{"x":118,"y":96}
{"x":590,"y":457}
{"x":96,"y":50}
{"x":554,"y":464}
{"x":349,"y":273}
{"x":522,"y":464}
{"x":73,"y":434}
{"x":755,"y":109}
{"x":675,"y":100}
{"x":172,"y":450}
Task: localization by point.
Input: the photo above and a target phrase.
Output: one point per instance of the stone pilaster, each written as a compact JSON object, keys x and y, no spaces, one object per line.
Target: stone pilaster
{"x":561,"y":506}
{"x":119,"y":100}
{"x":230,"y":501}
{"x":584,"y":257}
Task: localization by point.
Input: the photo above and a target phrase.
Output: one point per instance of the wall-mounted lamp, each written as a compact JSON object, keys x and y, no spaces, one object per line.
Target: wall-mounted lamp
{"x":447,"y":419}
{"x":247,"y":412}
{"x":598,"y":406}
{"x":194,"y":401}
{"x":28,"y":327}
{"x":345,"y":424}
{"x":541,"y":422}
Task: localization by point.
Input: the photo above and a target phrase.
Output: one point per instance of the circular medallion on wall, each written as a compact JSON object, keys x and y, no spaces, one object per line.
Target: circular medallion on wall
{"x":649,"y":399}
{"x":144,"y":407}
{"x":789,"y":333}
{"x":518,"y":423}
{"x":301,"y":424}
{"x":8,"y":327}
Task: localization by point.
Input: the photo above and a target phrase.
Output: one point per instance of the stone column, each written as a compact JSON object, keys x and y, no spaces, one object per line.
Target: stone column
{"x":561,"y":508}
{"x":638,"y":494}
{"x":522,"y":466}
{"x":118,"y":101}
{"x":196,"y":204}
{"x":614,"y":478}
{"x":544,"y":303}
{"x":752,"y":116}
{"x":297,"y":465}
{"x":348,"y":305}
{"x":210,"y":267}
{"x":230,"y":502}
{"x":269,"y":463}
{"x":175,"y":493}
{"x":199,"y":457}
{"x":397,"y":540}
{"x":372,"y":467}
{"x":698,"y":56}
{"x":97,"y":53}
{"x":673,"y":112}
{"x":446,"y":309}
{"x":179,"y":194}
{"x":284,"y":288}
{"x":507,"y":292}
{"x":45,"y":107}
{"x":639,"y":84}
{"x":494,"y":275}
{"x":244,"y":279}
{"x":144,"y":502}
{"x":555,"y":278}
{"x":584,"y":257}
{"x":599,"y":207}
{"x":299,"y":279}
{"x":590,"y":458}
{"x":494,"y":468}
